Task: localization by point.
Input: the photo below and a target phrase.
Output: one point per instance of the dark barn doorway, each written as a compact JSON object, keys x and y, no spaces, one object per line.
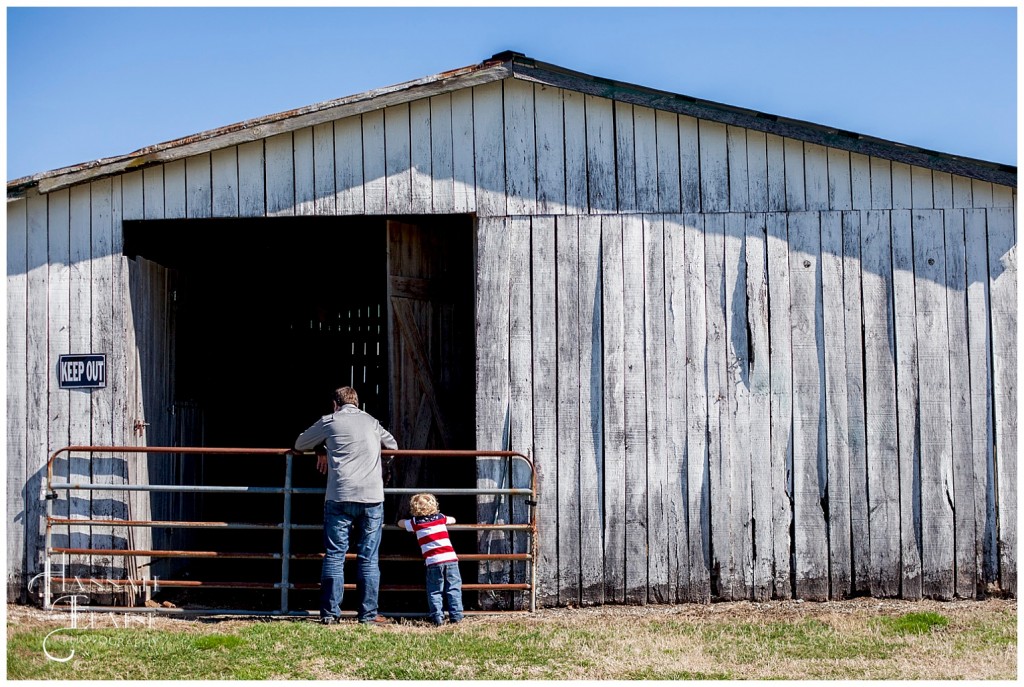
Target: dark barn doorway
{"x":268,"y":317}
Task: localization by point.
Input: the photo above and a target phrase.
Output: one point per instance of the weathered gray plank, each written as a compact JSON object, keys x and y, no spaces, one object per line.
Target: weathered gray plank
{"x":521,"y":379}
{"x":942,"y":189}
{"x":614,"y":409}
{"x":58,"y":340}
{"x":374,"y":164}
{"x":302,"y":152}
{"x":575,"y":152}
{"x":739,"y":193}
{"x":442,"y":171}
{"x":520,"y":148}
{"x":837,"y":415}
{"x":489,"y":149}
{"x":600,"y":154}
{"x":981,"y":193}
{"x":17,"y":396}
{"x":796,"y":194}
{"x":198,"y":185}
{"x":567,"y":303}
{"x":962,"y":192}
{"x":550,"y":127}
{"x":251,"y":187}
{"x":153,"y":192}
{"x":780,"y":335}
{"x":1002,"y":196}
{"x":397,"y":160}
{"x":776,"y":173}
{"x":224,"y":180}
{"x":757,"y":170}
{"x":174,"y":190}
{"x":714,"y":172}
{"x":280,"y":175}
{"x":921,"y":187}
{"x":420,"y":116}
{"x":689,"y":163}
{"x":881,"y":184}
{"x":901,"y":189}
{"x":644,"y":140}
{"x":839,"y":182}
{"x":38,"y":374}
{"x":816,"y":177}
{"x":908,"y":439}
{"x":324,"y":190}
{"x":860,"y":181}
{"x":669,"y":181}
{"x":349,"y":177}
{"x":463,"y":163}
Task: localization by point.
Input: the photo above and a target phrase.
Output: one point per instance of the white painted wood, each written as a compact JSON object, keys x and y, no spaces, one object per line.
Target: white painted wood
{"x":942,"y":189}
{"x":689,"y":163}
{"x":1002,"y":273}
{"x":280,"y":175}
{"x":600,"y":154}
{"x":836,"y":408}
{"x":591,"y":394}
{"x":520,"y":148}
{"x":714,"y":172}
{"x":759,"y":405}
{"x":132,"y":192}
{"x":442,"y":171}
{"x":551,"y":149}
{"x":613,"y":342}
{"x":489,"y":149}
{"x":324,"y":191}
{"x":18,"y":497}
{"x":198,"y":187}
{"x":839,"y":180}
{"x":397,"y":160}
{"x":881,"y":184}
{"x":567,"y":332}
{"x":968,"y":572}
{"x":374,"y":165}
{"x":348,"y":167}
{"x":816,"y":177}
{"x":796,"y":194}
{"x":669,"y":180}
{"x":860,"y":181}
{"x":1002,"y":196}
{"x":739,"y":194}
{"x":907,"y":401}
{"x":463,"y":165}
{"x":520,"y":377}
{"x":420,"y":117}
{"x":545,"y":390}
{"x":962,"y":192}
{"x":305,"y":172}
{"x":981,"y":192}
{"x":153,"y":192}
{"x":921,"y":187}
{"x":224,"y":180}
{"x":901,"y":186}
{"x":174,"y":190}
{"x":80,"y":341}
{"x":776,"y":173}
{"x":251,"y":180}
{"x":781,"y":373}
{"x":757,"y":170}
{"x":575,"y":153}
{"x":38,"y":374}
{"x":880,"y":403}
{"x":645,"y":143}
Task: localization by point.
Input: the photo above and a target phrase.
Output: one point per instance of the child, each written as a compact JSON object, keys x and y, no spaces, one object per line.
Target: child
{"x":442,"y":564}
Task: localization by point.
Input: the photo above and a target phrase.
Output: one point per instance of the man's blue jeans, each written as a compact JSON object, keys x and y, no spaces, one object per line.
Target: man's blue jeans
{"x":444,"y":583}
{"x":363,"y":521}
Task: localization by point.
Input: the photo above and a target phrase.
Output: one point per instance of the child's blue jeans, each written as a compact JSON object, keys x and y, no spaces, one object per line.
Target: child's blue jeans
{"x":444,"y":584}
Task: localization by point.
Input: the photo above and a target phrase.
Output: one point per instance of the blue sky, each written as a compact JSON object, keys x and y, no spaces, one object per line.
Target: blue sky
{"x":86,"y":83}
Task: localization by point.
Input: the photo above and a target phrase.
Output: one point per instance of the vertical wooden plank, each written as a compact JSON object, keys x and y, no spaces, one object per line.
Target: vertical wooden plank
{"x":224,"y":180}
{"x":18,"y":494}
{"x":781,"y":372}
{"x":837,"y":416}
{"x":856,"y":440}
{"x":880,"y":404}
{"x":349,"y":177}
{"x":739,"y":194}
{"x":776,"y":173}
{"x":654,"y":356}
{"x":675,"y":498}
{"x":80,"y":341}
{"x":575,"y":152}
{"x":305,"y":171}
{"x":591,"y":393}
{"x":942,"y":189}
{"x":669,"y":180}
{"x":600,"y":154}
{"x":714,"y":172}
{"x":737,"y":417}
{"x":968,"y":573}
{"x":442,"y":170}
{"x":280,"y":175}
{"x":153,"y":192}
{"x":58,"y":319}
{"x":174,"y":190}
{"x":839,"y":181}
{"x":397,"y":160}
{"x":492,"y":385}
{"x":520,"y":148}
{"x":981,"y":193}
{"x":982,"y":431}
{"x":489,"y":149}
{"x":698,"y":476}
{"x":901,"y":186}
{"x":374,"y":164}
{"x":551,"y":149}
{"x":324,"y":191}
{"x":545,"y":390}
{"x":520,"y":379}
{"x":132,"y":191}
{"x":421,"y":156}
{"x":810,"y":537}
{"x":38,"y":376}
{"x":908,"y":440}
{"x":881,"y":184}
{"x":251,"y":180}
{"x":644,"y":141}
{"x":816,"y":176}
{"x":760,"y":404}
{"x":628,"y":173}
{"x":612,"y":322}
{"x":860,"y":181}
{"x":1002,"y":272}
{"x":757,"y":170}
{"x":962,"y":192}
{"x":796,"y":195}
{"x":689,"y":163}
{"x":921,"y":187}
{"x":1002,"y":196}
{"x":567,"y":304}
{"x":198,"y":186}
{"x":463,"y":157}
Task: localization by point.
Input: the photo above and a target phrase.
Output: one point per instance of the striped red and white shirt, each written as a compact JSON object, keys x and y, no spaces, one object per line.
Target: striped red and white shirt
{"x":432,"y":535}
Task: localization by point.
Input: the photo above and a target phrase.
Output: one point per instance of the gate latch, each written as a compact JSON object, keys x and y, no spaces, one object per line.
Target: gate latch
{"x":140,"y":426}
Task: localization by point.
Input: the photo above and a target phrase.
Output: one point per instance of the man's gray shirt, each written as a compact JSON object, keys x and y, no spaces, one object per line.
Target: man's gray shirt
{"x":354,"y":440}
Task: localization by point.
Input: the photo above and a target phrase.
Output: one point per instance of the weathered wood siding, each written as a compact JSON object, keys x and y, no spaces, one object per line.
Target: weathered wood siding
{"x":707,"y":337}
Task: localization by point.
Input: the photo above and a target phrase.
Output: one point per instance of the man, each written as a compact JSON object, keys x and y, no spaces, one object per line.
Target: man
{"x":354,"y":504}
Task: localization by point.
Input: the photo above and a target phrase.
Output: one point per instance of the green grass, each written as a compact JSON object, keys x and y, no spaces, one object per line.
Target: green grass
{"x":914,"y":623}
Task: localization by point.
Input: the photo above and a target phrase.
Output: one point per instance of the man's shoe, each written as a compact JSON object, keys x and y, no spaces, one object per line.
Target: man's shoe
{"x":378,"y":620}
{"x":329,"y":620}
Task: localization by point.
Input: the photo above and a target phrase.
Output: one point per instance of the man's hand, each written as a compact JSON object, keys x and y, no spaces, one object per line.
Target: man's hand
{"x":321,"y":463}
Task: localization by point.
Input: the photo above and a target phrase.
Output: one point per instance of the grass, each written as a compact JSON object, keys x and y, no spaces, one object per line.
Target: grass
{"x":848,"y":640}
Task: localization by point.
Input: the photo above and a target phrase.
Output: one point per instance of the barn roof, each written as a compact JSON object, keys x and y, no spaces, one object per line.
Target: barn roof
{"x":501,"y":66}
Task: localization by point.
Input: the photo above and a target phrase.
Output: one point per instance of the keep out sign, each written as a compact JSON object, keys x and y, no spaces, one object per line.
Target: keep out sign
{"x":86,"y":371}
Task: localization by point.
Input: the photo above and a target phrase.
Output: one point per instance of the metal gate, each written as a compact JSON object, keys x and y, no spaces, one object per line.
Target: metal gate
{"x":285,"y":526}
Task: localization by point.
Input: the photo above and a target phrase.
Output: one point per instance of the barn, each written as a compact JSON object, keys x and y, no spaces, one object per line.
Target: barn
{"x":750,"y":357}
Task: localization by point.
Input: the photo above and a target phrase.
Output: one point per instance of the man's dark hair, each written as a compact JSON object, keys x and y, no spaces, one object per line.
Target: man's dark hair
{"x":346,"y":394}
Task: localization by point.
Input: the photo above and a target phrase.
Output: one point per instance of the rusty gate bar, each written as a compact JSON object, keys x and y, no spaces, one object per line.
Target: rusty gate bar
{"x":286,"y":527}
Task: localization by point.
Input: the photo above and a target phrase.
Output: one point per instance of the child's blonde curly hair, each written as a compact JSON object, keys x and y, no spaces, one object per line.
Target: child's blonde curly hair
{"x":423,"y":504}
